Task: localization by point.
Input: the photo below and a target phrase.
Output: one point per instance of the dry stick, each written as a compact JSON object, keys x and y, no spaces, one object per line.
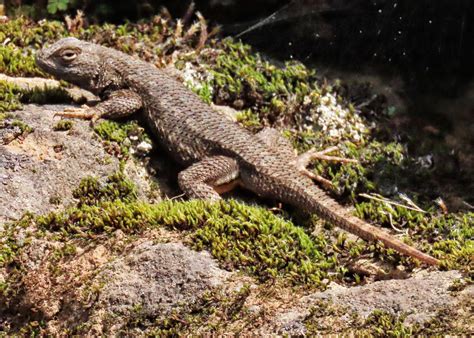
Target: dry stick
{"x":409,"y":201}
{"x":370,"y":197}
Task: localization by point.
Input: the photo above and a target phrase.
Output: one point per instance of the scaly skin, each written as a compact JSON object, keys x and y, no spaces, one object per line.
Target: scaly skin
{"x":214,"y":149}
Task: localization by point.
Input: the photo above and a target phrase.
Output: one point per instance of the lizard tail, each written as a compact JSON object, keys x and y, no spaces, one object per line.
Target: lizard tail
{"x":315,"y":200}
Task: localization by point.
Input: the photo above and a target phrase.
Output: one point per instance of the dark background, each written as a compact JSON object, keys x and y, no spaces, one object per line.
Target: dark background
{"x":429,"y":43}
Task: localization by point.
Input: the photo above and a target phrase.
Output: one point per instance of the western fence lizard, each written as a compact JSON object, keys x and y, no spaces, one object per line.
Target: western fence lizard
{"x":215,"y":150}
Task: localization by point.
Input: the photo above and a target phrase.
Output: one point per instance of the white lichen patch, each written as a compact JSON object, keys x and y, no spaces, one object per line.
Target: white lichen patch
{"x":195,"y":78}
{"x":338,"y":122}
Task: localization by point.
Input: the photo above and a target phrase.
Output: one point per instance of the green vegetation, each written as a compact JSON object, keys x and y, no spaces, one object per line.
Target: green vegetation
{"x":290,"y":97}
{"x":213,"y":311}
{"x":446,"y":236}
{"x":239,"y":236}
{"x":120,"y":133}
{"x":116,"y":187}
{"x":12,"y":97}
{"x":9,"y":98}
{"x":24,"y":128}
{"x":242,"y":237}
{"x":243,"y":80}
{"x":46,"y":95}
{"x":327,"y":318}
{"x":63,"y":125}
{"x":57,"y":5}
{"x":383,"y":324}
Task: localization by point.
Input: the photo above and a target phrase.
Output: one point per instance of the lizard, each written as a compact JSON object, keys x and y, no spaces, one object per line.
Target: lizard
{"x":215,"y":151}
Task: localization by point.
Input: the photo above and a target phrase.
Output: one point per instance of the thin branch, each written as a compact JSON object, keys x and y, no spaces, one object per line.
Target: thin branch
{"x":385,"y":200}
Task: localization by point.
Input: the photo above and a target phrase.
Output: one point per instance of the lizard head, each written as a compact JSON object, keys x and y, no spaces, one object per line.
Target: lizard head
{"x":72,"y":60}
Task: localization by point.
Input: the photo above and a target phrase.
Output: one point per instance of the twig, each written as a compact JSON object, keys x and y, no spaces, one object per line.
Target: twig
{"x":177,"y":196}
{"x":383,"y":199}
{"x":470,"y":206}
{"x":410,"y":202}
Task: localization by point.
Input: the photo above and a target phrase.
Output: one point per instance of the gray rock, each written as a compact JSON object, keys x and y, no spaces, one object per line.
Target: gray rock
{"x":153,"y":279}
{"x":420,"y":298}
{"x":50,"y":164}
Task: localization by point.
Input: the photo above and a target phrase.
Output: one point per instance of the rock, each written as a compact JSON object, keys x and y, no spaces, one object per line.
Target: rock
{"x":153,"y":279}
{"x":28,"y":83}
{"x":420,"y":298}
{"x":47,"y":165}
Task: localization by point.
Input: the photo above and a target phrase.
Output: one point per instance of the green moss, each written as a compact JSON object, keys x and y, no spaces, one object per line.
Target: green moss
{"x":24,"y":32}
{"x":9,"y":98}
{"x":269,"y":95}
{"x":239,"y":76}
{"x":242,"y":237}
{"x":116,"y":187}
{"x":248,"y":119}
{"x":120,"y":133}
{"x":24,"y":128}
{"x":211,"y":313}
{"x":152,"y":40}
{"x":17,"y":62}
{"x":4,"y":116}
{"x":383,"y":324}
{"x":12,"y":97}
{"x":63,"y":125}
{"x":114,"y":131}
{"x":448,"y":237}
{"x":239,"y":236}
{"x":10,"y":245}
{"x":46,"y":95}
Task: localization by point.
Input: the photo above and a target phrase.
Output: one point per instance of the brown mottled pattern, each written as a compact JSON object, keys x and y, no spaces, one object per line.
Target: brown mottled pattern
{"x":215,"y":149}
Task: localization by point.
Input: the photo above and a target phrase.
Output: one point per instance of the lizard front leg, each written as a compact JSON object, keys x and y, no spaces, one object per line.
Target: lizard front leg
{"x":120,"y":103}
{"x":202,"y":179}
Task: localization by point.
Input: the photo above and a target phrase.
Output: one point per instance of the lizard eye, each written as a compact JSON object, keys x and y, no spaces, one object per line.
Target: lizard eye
{"x":68,"y":55}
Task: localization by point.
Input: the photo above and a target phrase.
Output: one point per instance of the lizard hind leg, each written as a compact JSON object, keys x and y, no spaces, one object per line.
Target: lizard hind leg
{"x":272,"y":138}
{"x":209,"y":177}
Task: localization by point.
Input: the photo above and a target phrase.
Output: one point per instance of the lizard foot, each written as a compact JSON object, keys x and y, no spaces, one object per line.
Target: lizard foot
{"x":312,"y":154}
{"x":303,"y":160}
{"x":84,"y":112}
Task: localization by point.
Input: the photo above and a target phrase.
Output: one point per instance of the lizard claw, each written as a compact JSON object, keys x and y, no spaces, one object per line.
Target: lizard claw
{"x":318,"y":178}
{"x":304,"y":159}
{"x":84,"y":112}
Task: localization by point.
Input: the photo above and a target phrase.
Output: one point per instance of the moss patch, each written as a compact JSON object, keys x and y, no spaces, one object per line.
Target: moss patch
{"x":63,"y":125}
{"x":9,"y":98}
{"x":211,"y":313}
{"x":118,"y":136}
{"x":46,"y":95}
{"x":239,"y":236}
